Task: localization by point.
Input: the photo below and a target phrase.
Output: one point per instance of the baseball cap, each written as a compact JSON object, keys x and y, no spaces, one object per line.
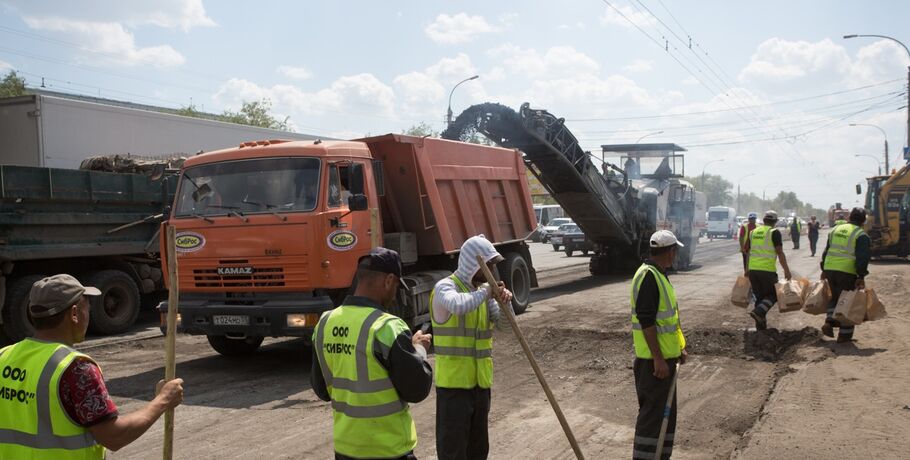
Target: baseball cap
{"x":664,"y":238}
{"x":54,"y":294}
{"x":770,"y":215}
{"x":753,"y":215}
{"x":384,"y":261}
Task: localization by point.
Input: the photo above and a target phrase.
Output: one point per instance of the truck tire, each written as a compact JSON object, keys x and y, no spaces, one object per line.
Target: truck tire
{"x":569,"y":251}
{"x":116,"y":309}
{"x":15,"y":313}
{"x":226,"y":346}
{"x":513,"y":271}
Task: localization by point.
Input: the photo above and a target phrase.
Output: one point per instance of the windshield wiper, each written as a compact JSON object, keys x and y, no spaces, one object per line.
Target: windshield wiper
{"x":203,"y":218}
{"x":232,"y":210}
{"x":269,"y":207}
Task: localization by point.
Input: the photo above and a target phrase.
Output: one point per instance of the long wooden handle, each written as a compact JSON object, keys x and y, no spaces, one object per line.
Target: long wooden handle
{"x":170,"y":340}
{"x":666,"y":421}
{"x":527,"y":349}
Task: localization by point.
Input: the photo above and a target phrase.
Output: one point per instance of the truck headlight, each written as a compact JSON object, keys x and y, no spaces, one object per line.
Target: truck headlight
{"x":302,"y":319}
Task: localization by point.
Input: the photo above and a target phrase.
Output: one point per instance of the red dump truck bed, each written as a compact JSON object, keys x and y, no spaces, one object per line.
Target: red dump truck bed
{"x":445,"y":192}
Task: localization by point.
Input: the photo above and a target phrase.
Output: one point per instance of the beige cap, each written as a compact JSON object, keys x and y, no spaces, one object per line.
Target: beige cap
{"x":54,"y":294}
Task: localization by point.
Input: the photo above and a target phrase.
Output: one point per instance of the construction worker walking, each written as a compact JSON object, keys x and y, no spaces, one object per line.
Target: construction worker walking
{"x":765,"y":249}
{"x":659,"y":346}
{"x":796,"y":227}
{"x":367,"y":363}
{"x":462,"y":315}
{"x":744,"y":231}
{"x":814,"y":226}
{"x":845,"y":264}
{"x":58,"y":406}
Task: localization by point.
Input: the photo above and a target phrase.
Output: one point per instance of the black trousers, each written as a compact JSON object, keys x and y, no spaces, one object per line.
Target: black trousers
{"x":795,"y":238}
{"x":839,"y":282}
{"x":763,"y":290}
{"x":407,"y":456}
{"x":461,"y":423}
{"x":813,"y":242}
{"x":652,"y":400}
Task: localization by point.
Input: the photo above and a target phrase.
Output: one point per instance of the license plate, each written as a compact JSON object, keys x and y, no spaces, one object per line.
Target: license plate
{"x":231,"y":320}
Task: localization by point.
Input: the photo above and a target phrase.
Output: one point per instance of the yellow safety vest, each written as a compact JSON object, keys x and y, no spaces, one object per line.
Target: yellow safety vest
{"x":669,"y":334}
{"x":762,"y":255}
{"x":841,"y":254}
{"x":370,"y":419}
{"x":464,"y":347}
{"x":33,"y":423}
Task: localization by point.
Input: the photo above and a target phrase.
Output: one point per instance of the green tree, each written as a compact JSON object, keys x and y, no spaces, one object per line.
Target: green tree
{"x":12,"y":85}
{"x":717,"y":190}
{"x":189,"y":111}
{"x":421,"y":129}
{"x":256,"y":113}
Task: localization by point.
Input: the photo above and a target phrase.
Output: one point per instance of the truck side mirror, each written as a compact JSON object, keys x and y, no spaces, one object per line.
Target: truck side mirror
{"x":859,"y":189}
{"x":355,"y":179}
{"x":358,"y":202}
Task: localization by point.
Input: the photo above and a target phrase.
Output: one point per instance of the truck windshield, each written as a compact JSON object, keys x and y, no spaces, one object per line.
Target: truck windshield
{"x":265,"y":185}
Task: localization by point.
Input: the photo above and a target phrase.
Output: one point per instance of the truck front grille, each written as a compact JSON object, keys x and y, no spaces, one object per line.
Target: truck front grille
{"x":261,"y":277}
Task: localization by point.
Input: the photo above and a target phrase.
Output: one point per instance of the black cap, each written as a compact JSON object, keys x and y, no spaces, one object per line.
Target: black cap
{"x":858,"y":215}
{"x":384,"y":261}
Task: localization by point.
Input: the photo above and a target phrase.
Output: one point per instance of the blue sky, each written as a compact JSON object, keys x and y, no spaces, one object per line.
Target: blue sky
{"x":762,"y":95}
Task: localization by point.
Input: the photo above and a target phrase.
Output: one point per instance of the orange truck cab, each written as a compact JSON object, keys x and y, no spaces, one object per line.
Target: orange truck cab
{"x":268,"y":234}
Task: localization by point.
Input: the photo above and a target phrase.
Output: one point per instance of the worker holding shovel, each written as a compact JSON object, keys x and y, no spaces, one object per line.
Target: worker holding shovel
{"x":659,"y":346}
{"x":462,"y":315}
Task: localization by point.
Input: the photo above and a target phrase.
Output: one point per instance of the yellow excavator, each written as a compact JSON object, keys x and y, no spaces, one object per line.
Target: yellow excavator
{"x":888,"y":205}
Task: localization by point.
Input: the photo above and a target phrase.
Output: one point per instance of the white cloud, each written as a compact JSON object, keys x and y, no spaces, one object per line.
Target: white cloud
{"x":578,"y":25}
{"x":172,"y":14}
{"x":878,"y":61}
{"x":777,"y":59}
{"x":183,"y":14}
{"x":109,"y":38}
{"x":361,"y":94}
{"x":639,"y":65}
{"x":557,"y":61}
{"x":599,"y":94}
{"x":422,"y":93}
{"x":459,"y":28}
{"x":296,"y":73}
{"x":689,"y":81}
{"x":611,"y":17}
{"x":4,"y":66}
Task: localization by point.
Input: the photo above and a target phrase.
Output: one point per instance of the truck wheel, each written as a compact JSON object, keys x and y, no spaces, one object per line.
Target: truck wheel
{"x":569,"y":251}
{"x":116,"y":309}
{"x":514,"y":273}
{"x":227,"y":346}
{"x":15,"y":313}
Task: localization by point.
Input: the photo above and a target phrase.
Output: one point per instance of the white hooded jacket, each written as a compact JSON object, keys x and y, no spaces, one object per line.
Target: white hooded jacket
{"x":448,"y":298}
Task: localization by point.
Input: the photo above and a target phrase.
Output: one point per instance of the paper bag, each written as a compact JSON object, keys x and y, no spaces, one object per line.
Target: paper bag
{"x":875,"y":309}
{"x":851,"y":307}
{"x":818,"y":295}
{"x":789,"y":295}
{"x":742,"y":292}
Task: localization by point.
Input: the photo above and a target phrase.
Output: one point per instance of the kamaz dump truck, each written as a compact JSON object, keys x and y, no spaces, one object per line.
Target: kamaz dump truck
{"x":268,"y":234}
{"x":617,"y":206}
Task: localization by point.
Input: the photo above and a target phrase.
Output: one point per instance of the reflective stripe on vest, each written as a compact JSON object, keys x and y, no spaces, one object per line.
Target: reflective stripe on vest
{"x":669,"y":334}
{"x":43,"y":443}
{"x":762,"y":254}
{"x":370,"y":419}
{"x":841,"y":254}
{"x":463,"y":346}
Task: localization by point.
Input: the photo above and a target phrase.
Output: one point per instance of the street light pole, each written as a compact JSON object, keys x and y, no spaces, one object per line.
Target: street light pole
{"x":449,"y":112}
{"x":649,"y":134}
{"x":765,"y":188}
{"x":703,"y":171}
{"x":908,"y":82}
{"x":876,"y":160}
{"x":887,"y":166}
{"x":738,"y":183}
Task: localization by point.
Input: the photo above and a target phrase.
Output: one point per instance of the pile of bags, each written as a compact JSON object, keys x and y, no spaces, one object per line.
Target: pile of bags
{"x":853,"y":307}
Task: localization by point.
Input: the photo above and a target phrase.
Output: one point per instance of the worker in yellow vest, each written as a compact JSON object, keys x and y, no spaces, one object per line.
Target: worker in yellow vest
{"x":796,"y":229}
{"x":845,"y":264}
{"x":765,"y":249}
{"x":463,"y":311}
{"x":57,"y":405}
{"x":367,"y":363}
{"x":659,"y":345}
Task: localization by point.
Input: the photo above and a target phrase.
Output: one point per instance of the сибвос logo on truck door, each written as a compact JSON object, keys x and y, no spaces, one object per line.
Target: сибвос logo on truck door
{"x":189,"y":242}
{"x":341,"y":240}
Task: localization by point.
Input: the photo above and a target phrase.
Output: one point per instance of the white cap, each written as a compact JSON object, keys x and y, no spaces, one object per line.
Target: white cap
{"x":664,"y":238}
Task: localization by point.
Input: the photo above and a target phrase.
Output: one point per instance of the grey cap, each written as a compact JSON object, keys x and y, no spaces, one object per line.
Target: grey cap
{"x":54,"y":294}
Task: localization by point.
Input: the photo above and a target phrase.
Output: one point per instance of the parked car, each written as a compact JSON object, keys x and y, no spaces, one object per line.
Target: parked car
{"x":575,"y":240}
{"x":556,"y":238}
{"x":547,"y":230}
